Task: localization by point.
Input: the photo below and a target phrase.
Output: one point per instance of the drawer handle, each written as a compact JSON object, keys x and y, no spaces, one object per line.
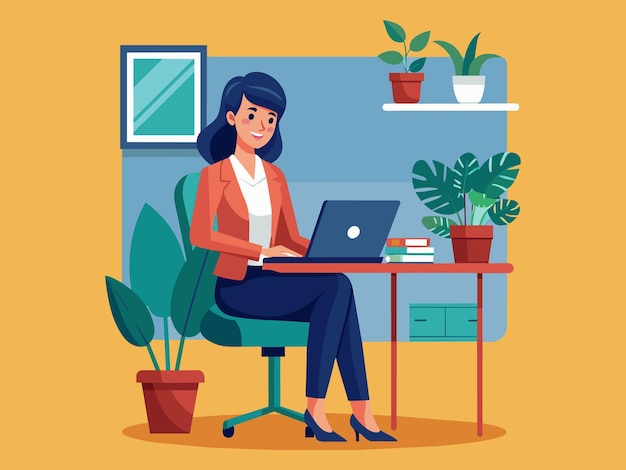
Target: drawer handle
{"x":471,"y":320}
{"x":419,"y":319}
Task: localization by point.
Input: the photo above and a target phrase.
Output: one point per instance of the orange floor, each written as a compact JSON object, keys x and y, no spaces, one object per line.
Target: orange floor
{"x":535,"y":416}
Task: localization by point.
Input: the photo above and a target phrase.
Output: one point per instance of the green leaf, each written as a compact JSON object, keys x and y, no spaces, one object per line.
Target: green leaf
{"x":155,"y":261}
{"x":464,"y":167}
{"x":436,"y":188}
{"x":497,"y":174}
{"x":130,"y":313}
{"x":477,"y":63}
{"x":455,"y":55}
{"x":391,"y":57}
{"x":417,"y":65}
{"x":419,"y":42}
{"x":438,"y":225}
{"x":470,"y":54}
{"x":481,"y":200}
{"x":194,"y":292}
{"x":395,"y":31}
{"x":504,"y":212}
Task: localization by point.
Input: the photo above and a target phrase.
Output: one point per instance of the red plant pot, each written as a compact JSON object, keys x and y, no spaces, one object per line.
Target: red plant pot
{"x":170,"y":398}
{"x":406,"y":87}
{"x":471,"y":243}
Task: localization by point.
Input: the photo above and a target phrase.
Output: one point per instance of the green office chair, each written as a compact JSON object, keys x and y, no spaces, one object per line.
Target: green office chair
{"x":272,"y":336}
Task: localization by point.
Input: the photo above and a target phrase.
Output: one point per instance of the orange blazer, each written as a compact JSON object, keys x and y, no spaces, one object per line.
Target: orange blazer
{"x":219,"y":195}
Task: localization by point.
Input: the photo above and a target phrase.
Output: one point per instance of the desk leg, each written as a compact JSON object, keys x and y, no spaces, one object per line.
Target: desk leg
{"x":394,"y":352}
{"x":479,"y":354}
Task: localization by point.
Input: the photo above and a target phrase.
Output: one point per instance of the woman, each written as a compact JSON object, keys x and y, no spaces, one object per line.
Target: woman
{"x":250,"y":197}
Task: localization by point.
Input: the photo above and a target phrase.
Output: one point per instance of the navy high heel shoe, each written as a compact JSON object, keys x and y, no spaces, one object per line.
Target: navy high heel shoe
{"x":313,"y":430}
{"x":367,"y":434}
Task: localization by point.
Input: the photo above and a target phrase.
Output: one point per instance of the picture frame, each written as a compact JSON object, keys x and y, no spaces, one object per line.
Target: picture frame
{"x":163,"y":96}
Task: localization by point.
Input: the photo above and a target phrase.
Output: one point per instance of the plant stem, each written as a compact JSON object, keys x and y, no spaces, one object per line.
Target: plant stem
{"x":483,"y":217}
{"x":153,"y":357}
{"x":458,"y":214}
{"x":406,"y":53}
{"x":465,"y":208}
{"x":179,"y":356}
{"x":166,"y":338}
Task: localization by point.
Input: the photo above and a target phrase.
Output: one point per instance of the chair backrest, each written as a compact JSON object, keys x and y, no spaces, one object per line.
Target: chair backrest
{"x":216,"y":326}
{"x":185,"y":199}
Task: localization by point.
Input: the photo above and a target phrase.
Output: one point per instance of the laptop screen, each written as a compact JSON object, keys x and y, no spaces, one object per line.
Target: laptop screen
{"x":352,"y":228}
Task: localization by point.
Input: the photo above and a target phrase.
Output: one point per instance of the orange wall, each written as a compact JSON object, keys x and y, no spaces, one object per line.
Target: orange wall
{"x":61,"y":183}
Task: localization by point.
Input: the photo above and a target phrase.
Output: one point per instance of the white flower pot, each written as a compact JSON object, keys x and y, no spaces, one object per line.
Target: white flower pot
{"x":468,"y":88}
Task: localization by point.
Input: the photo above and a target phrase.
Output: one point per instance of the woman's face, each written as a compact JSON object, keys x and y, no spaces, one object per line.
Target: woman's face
{"x":255,"y":125}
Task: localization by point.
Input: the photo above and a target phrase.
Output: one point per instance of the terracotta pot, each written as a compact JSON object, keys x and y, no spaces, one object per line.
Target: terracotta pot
{"x":406,"y":87}
{"x":170,"y":398}
{"x":471,"y":243}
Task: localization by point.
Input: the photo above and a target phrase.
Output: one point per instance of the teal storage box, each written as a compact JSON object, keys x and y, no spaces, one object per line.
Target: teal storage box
{"x":442,"y":322}
{"x":427,"y":321}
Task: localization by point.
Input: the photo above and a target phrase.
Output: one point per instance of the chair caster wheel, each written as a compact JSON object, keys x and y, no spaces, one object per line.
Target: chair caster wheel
{"x":228,"y":432}
{"x":308,"y":432}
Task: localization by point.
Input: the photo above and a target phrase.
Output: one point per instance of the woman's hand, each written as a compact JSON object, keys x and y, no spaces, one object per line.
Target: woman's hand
{"x":279,"y":250}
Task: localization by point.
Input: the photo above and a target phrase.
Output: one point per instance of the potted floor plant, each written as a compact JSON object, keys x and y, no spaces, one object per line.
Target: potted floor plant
{"x":406,"y":86}
{"x":166,"y":285}
{"x":473,"y":193}
{"x":467,"y":82}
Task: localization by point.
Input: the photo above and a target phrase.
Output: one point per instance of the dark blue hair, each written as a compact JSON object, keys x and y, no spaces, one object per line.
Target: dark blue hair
{"x":217,"y":141}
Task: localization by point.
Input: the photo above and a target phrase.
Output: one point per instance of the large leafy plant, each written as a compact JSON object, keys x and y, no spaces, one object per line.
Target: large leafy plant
{"x":471,"y":191}
{"x":166,"y":284}
{"x":397,"y":34}
{"x":468,"y":64}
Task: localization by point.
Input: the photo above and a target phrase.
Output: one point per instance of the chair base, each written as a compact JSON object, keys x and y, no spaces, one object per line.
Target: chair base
{"x":232,"y":422}
{"x":273,"y":405}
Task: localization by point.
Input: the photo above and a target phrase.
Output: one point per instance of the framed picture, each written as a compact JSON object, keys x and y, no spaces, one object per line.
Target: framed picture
{"x":163,"y":92}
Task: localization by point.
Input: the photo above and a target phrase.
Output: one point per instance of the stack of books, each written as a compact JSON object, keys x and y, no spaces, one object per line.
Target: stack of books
{"x":409,"y":250}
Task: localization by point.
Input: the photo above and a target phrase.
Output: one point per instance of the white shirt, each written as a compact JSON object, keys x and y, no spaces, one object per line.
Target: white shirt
{"x":257,"y":196}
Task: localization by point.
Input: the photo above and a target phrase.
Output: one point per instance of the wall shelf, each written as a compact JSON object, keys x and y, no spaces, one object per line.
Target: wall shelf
{"x":450,"y":107}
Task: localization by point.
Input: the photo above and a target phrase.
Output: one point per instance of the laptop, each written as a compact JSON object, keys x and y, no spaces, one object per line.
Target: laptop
{"x":348,"y":232}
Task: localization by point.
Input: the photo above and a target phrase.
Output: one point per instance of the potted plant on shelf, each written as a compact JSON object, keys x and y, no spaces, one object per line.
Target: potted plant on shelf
{"x":472,"y":192}
{"x":467,"y":82}
{"x":165,"y":284}
{"x":406,"y":86}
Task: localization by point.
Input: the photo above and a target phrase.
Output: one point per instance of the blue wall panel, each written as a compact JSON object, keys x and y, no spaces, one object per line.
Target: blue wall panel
{"x":339,"y":143}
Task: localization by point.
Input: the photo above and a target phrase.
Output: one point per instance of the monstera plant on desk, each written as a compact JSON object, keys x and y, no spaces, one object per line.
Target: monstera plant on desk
{"x":473,"y":193}
{"x":166,"y":284}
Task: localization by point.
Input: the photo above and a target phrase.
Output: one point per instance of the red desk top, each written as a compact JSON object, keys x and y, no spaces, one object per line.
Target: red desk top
{"x":488,"y":268}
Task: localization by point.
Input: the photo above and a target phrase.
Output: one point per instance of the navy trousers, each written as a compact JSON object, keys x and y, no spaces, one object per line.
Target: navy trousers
{"x":326,"y":301}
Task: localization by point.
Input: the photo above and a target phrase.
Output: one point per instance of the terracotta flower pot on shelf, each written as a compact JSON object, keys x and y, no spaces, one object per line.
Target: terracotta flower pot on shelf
{"x":406,"y":87}
{"x":471,"y":243}
{"x":170,"y":398}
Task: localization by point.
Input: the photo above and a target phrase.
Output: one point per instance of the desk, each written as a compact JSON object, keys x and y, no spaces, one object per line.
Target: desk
{"x":413,"y":268}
